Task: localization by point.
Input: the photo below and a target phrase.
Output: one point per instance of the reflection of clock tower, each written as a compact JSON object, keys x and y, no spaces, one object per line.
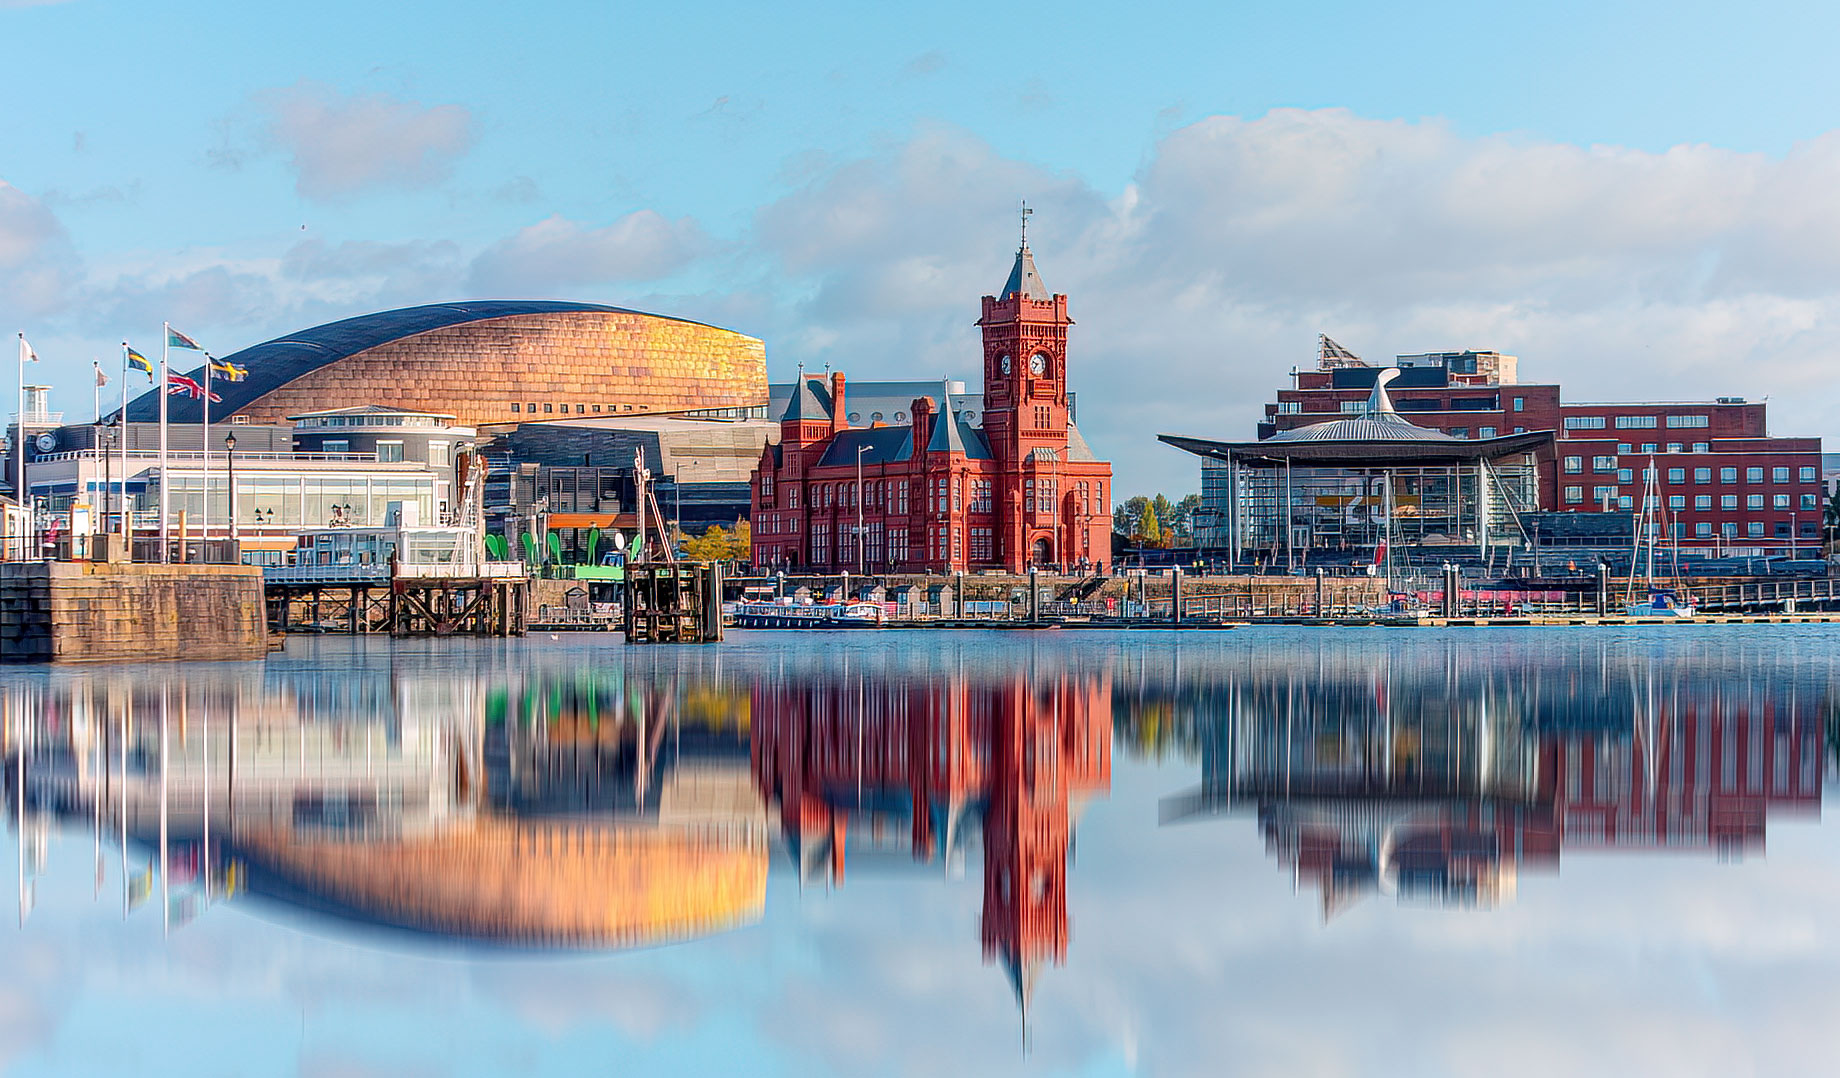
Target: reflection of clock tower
{"x":1025,"y":391}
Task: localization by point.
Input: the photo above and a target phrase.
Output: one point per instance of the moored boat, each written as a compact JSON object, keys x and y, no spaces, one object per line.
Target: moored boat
{"x":790,"y":615}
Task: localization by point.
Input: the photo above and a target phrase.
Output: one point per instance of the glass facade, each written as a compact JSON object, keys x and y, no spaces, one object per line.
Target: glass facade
{"x":307,"y":501}
{"x":1273,"y":508}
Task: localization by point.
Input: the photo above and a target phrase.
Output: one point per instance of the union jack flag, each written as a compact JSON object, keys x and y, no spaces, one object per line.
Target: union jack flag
{"x":180,"y":385}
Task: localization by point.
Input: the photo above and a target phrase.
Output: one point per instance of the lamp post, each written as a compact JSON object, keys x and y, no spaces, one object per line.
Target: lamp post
{"x":861,"y":557}
{"x":1793,"y":536}
{"x":230,"y":458}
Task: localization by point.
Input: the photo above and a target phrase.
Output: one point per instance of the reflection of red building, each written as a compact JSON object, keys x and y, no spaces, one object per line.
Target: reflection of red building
{"x":1426,"y":824}
{"x":874,"y":766}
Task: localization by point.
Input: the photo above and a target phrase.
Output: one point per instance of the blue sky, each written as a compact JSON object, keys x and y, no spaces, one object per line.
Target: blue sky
{"x":1629,"y":196}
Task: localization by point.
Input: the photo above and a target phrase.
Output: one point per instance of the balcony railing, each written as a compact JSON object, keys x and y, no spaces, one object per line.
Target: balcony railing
{"x":177,"y":457}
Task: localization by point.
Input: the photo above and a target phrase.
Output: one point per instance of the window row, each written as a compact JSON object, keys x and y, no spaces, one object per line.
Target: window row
{"x":1574,"y":495}
{"x":1806,"y":473}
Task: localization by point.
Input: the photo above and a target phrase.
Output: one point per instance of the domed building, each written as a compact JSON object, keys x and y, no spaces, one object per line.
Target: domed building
{"x":487,"y":361}
{"x":1372,"y":476}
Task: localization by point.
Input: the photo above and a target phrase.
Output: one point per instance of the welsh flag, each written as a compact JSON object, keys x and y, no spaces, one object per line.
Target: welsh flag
{"x":176,"y":339}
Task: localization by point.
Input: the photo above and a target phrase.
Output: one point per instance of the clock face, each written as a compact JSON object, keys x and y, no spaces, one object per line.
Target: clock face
{"x":47,"y":442}
{"x":1038,"y":363}
{"x":1004,"y":363}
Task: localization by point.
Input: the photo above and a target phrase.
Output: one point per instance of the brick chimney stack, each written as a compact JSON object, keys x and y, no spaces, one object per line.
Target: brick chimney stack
{"x":840,"y":417}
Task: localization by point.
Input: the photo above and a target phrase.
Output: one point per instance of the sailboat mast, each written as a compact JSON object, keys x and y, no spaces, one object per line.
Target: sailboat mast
{"x":1650,"y":494}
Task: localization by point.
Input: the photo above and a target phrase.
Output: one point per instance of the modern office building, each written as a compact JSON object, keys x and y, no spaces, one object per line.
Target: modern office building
{"x":489,"y":361}
{"x":1365,"y":480}
{"x":936,"y":485}
{"x":347,"y":466}
{"x":1727,"y":486}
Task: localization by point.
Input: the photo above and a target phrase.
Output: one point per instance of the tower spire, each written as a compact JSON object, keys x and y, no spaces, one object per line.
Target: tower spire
{"x":1026,"y":214}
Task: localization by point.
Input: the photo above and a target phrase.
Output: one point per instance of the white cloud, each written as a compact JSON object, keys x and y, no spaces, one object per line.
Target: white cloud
{"x":342,"y":146}
{"x":1620,"y":273}
{"x":557,"y":253}
{"x":37,"y":264}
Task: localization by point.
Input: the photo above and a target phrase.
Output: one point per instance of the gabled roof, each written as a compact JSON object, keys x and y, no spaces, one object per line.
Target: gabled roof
{"x":885,"y":445}
{"x":951,"y":434}
{"x":805,"y":403}
{"x":1023,"y":278}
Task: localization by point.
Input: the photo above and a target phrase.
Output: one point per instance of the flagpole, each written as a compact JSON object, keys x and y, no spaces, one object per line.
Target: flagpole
{"x":127,"y":528}
{"x":165,"y":480}
{"x":204,"y":445}
{"x":19,"y":451}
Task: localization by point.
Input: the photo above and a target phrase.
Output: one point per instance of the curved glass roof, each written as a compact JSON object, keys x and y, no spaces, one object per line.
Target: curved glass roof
{"x":273,"y":364}
{"x":1368,"y":428}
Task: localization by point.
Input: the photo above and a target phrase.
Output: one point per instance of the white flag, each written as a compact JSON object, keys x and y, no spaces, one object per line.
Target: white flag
{"x":101,"y":379}
{"x":26,"y":355}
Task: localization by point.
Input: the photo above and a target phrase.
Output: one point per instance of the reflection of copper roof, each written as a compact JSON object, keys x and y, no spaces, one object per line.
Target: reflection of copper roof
{"x":524,"y":882}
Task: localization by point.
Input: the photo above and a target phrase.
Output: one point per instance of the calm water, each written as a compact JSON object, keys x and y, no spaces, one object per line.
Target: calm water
{"x":1283,"y":851}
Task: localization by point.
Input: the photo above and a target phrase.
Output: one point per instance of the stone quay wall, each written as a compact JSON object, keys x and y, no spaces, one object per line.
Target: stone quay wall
{"x":97,"y":612}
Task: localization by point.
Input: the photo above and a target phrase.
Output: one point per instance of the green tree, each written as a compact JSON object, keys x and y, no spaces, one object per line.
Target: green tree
{"x":1185,"y":516}
{"x":1128,"y":518}
{"x":1151,"y":531}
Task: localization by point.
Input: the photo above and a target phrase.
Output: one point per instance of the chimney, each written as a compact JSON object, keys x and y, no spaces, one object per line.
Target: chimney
{"x":923,"y":424}
{"x":840,"y":418}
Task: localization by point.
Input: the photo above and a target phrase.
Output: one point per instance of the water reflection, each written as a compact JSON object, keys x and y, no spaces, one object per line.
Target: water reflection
{"x":1440,"y":777}
{"x":607,"y":798}
{"x":575,"y":809}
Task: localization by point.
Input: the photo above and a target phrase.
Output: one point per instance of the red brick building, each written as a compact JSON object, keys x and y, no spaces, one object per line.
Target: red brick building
{"x":949,"y":490}
{"x":1726,"y":484}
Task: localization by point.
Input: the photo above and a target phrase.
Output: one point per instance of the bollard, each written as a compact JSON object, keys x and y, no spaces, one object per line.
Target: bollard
{"x":1175,"y":595}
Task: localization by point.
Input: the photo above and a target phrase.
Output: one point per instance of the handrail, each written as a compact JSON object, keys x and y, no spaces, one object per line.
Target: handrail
{"x":190,"y":455}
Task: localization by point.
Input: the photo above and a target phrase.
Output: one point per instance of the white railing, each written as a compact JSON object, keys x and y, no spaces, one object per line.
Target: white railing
{"x":325,"y":574}
{"x":183,"y":457}
{"x":494,"y":570}
{"x":379,"y":574}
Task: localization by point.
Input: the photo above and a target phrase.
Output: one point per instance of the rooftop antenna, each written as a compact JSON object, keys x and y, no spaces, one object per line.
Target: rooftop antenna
{"x":1026,"y":214}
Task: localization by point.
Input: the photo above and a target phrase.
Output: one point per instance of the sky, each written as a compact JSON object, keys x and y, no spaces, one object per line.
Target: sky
{"x":1637,"y":199}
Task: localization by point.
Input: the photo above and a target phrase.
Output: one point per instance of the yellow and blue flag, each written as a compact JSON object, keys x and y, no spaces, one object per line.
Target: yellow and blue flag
{"x":223,"y":368}
{"x":140,"y":363}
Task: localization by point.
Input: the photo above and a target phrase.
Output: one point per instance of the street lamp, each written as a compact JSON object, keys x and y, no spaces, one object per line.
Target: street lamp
{"x":230,"y":457}
{"x":861,"y":557}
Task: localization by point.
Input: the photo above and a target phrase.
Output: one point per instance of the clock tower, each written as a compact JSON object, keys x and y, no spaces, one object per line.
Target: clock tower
{"x":1025,"y":357}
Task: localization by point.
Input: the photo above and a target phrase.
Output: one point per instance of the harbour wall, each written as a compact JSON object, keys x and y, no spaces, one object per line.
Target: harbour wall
{"x":102,"y":612}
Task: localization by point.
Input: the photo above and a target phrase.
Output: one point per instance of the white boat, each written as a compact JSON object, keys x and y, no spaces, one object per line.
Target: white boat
{"x":785,"y":614}
{"x":1662,"y":604}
